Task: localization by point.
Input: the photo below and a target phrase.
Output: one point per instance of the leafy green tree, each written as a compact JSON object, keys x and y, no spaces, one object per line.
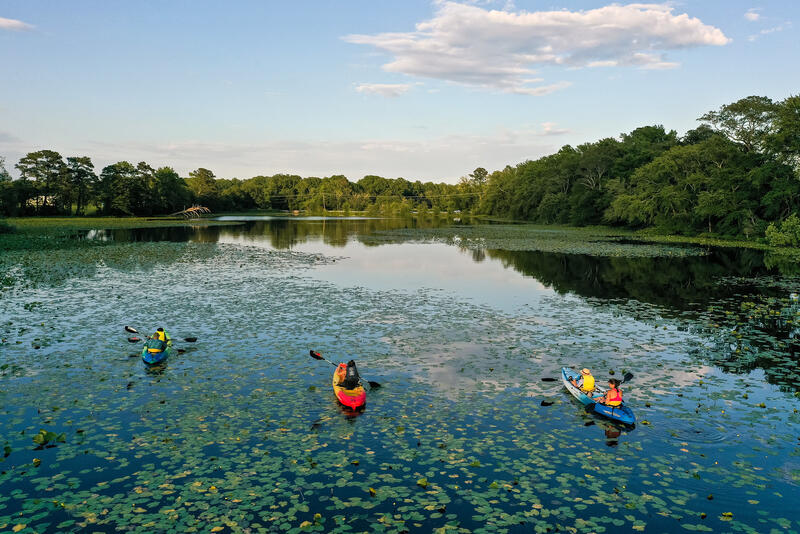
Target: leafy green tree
{"x":698,"y":135}
{"x":479,"y":176}
{"x":5,"y":177}
{"x":337,"y":189}
{"x":785,"y":233}
{"x":640,"y":147}
{"x":498,"y":192}
{"x":46,"y":168}
{"x":785,"y":140}
{"x":122,"y":192}
{"x":747,"y":121}
{"x":82,"y":180}
{"x":374,"y":186}
{"x":204,"y":187}
{"x":691,"y":188}
{"x":170,"y":191}
{"x":8,"y":197}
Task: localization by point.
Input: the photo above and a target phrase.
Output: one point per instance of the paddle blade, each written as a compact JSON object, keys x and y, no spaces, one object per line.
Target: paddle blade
{"x":190,"y":339}
{"x":548,"y":379}
{"x":373,"y":385}
{"x":627,"y":377}
{"x":181,"y":351}
{"x":315,"y":355}
{"x":131,"y":329}
{"x":134,"y":339}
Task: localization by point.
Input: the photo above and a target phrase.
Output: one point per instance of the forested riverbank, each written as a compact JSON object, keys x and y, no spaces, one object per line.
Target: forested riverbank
{"x":736,"y":175}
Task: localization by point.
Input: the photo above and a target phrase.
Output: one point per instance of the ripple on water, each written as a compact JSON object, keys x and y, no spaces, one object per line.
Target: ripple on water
{"x":698,"y":433}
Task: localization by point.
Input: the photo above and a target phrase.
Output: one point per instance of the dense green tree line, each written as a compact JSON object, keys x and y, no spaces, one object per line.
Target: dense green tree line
{"x":738,"y":173}
{"x":51,"y":185}
{"x":735,"y":174}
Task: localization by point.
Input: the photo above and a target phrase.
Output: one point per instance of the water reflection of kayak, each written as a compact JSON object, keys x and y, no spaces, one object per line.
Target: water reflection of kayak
{"x":352,"y":398}
{"x":620,"y":413}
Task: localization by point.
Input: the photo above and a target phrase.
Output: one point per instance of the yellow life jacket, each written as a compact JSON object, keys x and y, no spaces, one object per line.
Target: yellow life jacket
{"x":161,"y":336}
{"x":588,"y":384}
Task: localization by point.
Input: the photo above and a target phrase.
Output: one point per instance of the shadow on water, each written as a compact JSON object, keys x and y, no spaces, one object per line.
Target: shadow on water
{"x":680,"y":284}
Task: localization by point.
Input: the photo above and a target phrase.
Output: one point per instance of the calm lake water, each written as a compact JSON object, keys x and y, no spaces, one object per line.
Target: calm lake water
{"x":240,"y":431}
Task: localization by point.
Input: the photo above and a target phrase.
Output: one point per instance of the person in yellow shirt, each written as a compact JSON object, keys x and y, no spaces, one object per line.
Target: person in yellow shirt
{"x":585,"y":382}
{"x":159,"y":335}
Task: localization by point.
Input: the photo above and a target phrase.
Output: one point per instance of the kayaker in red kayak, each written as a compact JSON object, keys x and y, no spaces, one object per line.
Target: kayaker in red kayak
{"x":613,"y":396}
{"x":348,"y":375}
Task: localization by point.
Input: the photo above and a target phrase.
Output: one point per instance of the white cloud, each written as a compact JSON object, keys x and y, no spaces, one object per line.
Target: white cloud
{"x":549,"y":128}
{"x":13,"y":24}
{"x":767,"y":31}
{"x":383,"y":89}
{"x":752,"y":14}
{"x":497,"y":50}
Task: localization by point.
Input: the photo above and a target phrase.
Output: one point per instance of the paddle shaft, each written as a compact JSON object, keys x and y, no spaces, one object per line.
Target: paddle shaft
{"x":132,"y":330}
{"x":318,"y":356}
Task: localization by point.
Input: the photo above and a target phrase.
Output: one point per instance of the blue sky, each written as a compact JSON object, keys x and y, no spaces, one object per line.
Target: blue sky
{"x":421,"y":89}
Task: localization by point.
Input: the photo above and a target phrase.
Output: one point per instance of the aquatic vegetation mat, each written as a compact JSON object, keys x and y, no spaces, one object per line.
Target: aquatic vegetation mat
{"x":241,"y":432}
{"x":523,"y":237}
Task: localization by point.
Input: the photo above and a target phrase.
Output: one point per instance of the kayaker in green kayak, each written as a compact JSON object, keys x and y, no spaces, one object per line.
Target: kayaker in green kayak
{"x":585,"y":382}
{"x":613,"y":396}
{"x":158,"y":341}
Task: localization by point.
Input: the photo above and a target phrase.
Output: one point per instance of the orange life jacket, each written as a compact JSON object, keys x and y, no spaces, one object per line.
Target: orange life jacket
{"x":614,"y":397}
{"x":341,"y":372}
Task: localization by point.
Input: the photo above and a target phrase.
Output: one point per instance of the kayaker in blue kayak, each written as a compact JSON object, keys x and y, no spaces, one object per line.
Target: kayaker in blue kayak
{"x":585,"y":382}
{"x":613,"y":396}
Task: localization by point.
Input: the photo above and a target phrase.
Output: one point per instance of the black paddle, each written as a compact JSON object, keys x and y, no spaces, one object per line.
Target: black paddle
{"x":318,"y":356}
{"x":135,"y":339}
{"x":626,"y":377}
{"x":132,"y":330}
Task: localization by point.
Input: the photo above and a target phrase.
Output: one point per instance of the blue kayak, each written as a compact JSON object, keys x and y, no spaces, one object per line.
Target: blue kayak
{"x":153,"y":358}
{"x":620,"y":413}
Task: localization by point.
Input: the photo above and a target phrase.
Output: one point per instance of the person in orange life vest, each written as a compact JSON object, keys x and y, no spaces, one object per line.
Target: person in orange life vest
{"x":613,"y":396}
{"x":586,"y":382}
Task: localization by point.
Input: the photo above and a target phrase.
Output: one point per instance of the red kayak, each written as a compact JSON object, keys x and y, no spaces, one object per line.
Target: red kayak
{"x":352,"y":398}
